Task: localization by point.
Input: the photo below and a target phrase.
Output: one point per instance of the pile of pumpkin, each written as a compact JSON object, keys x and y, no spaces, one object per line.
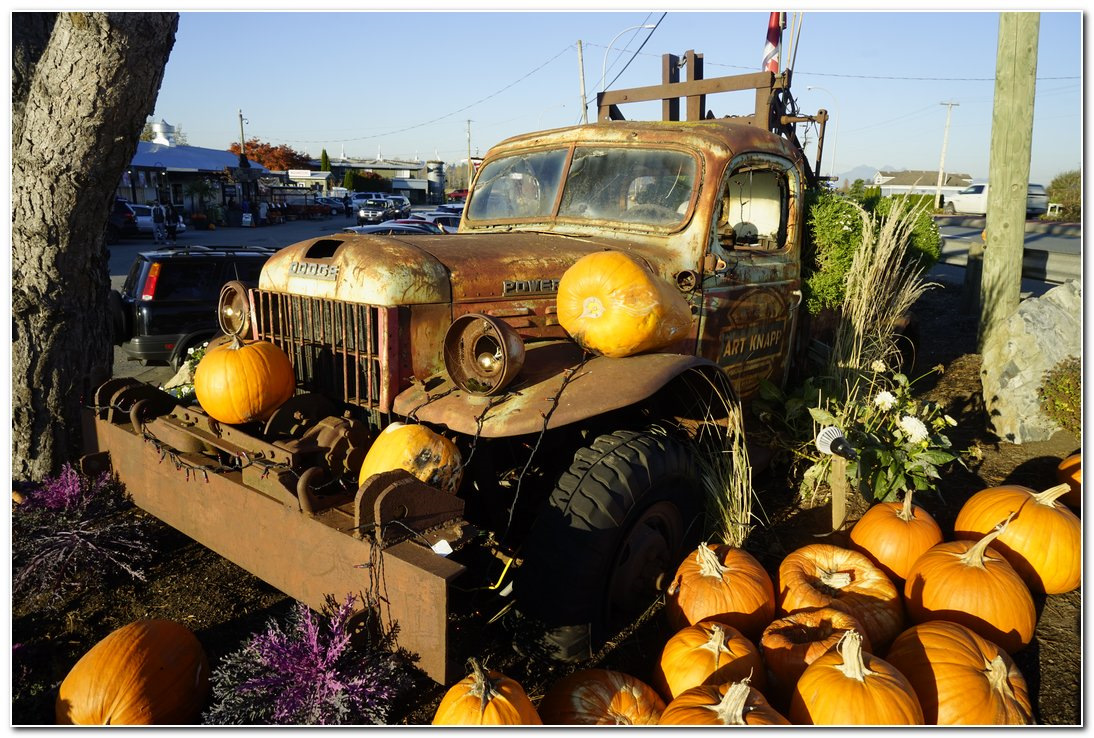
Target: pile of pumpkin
{"x":839,"y":652}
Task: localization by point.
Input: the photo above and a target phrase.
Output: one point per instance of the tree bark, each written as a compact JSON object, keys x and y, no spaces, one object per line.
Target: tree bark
{"x":89,"y":92}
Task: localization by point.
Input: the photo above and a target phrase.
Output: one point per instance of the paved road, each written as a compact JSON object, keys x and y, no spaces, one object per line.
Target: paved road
{"x":1048,"y":257}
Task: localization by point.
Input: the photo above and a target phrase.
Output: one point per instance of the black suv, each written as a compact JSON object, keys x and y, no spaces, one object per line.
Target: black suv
{"x":122,"y":221}
{"x":168,"y":302}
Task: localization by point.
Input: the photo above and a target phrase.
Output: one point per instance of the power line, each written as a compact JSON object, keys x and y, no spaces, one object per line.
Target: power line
{"x":439,"y":118}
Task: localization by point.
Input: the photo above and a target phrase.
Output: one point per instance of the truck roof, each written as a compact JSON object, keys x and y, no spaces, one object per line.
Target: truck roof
{"x":729,"y":134}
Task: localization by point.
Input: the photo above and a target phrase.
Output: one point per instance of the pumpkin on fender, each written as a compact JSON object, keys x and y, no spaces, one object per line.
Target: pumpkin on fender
{"x":150,"y":672}
{"x":243,"y":381}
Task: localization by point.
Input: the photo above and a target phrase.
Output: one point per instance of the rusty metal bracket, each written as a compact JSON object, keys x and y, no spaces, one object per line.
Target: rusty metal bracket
{"x":399,"y":505}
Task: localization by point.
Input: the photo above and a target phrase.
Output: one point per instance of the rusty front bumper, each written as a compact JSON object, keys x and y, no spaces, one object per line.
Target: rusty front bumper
{"x":305,"y":549}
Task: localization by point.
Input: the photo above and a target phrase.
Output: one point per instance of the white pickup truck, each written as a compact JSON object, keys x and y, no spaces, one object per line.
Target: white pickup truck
{"x":973,"y":200}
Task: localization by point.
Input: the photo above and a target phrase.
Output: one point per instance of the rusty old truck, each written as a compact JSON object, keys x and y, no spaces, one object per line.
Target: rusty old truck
{"x":581,"y":491}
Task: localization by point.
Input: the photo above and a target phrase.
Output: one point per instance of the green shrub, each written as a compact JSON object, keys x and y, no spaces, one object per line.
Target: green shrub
{"x":1062,"y":395}
{"x":1066,"y":189}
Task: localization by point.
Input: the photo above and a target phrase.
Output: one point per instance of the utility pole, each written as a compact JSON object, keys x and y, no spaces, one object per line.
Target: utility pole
{"x":581,"y":74}
{"x":468,"y":186}
{"x":1008,"y":168}
{"x":942,"y":161}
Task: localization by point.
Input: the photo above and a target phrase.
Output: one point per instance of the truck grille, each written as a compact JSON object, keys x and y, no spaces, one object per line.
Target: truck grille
{"x":338,"y":349}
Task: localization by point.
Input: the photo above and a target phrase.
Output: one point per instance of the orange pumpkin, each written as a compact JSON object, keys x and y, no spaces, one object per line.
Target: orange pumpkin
{"x":961,"y":678}
{"x":601,"y":697}
{"x":150,"y":672}
{"x":429,"y":456}
{"x":1044,"y":540}
{"x":893,"y":535}
{"x":486,"y":697}
{"x":969,"y":583}
{"x":848,"y":687}
{"x":729,"y":703}
{"x":792,"y":643}
{"x":613,"y":304}
{"x":241,"y":382}
{"x":822,"y":575}
{"x":707,"y":652}
{"x":1070,"y":472}
{"x":724,"y":583}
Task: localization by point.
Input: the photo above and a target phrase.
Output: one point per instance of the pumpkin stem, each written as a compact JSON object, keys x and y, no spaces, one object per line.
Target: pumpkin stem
{"x":482,"y":686}
{"x":709,"y":566}
{"x":850,"y":648}
{"x":237,"y":342}
{"x":997,"y":676}
{"x":731,"y":710}
{"x":1050,"y":495}
{"x":906,"y":513}
{"x":717,"y":641}
{"x":975,"y":555}
{"x":835,"y":579}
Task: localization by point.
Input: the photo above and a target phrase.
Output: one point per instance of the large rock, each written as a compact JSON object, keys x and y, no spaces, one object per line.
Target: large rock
{"x":1037,"y":336}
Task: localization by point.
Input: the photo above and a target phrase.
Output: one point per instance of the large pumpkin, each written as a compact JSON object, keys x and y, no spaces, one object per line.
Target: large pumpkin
{"x":969,"y":583}
{"x":486,"y":697}
{"x":707,"y":652}
{"x":894,"y":534}
{"x":790,"y":644}
{"x":848,"y":687}
{"x":601,"y":697}
{"x":961,"y":678}
{"x":241,"y":382}
{"x":429,"y":456}
{"x":1044,"y":540}
{"x":613,"y":304}
{"x":822,"y":575}
{"x":729,"y":703}
{"x":724,"y":583}
{"x":150,"y":672}
{"x":1070,"y":472}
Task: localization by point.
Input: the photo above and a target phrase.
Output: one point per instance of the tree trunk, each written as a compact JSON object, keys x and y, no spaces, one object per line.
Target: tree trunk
{"x":90,"y":91}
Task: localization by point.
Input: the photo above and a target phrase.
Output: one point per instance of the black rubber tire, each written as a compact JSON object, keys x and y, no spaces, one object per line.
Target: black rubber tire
{"x":119,"y":323}
{"x":949,"y":209}
{"x":607,"y":541}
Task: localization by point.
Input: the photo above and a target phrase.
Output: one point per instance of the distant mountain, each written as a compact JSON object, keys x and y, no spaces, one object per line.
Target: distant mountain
{"x":863,"y":172}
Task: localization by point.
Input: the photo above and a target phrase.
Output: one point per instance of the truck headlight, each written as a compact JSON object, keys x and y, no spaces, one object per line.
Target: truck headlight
{"x":482,"y":354}
{"x":234,"y":309}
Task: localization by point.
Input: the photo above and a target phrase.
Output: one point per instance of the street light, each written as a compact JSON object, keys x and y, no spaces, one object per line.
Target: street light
{"x":835,"y":129}
{"x":604,"y":66}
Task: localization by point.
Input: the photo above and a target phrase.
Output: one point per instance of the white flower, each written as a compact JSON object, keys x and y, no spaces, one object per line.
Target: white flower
{"x":913,"y":428}
{"x":190,"y":350}
{"x":949,"y":421}
{"x":878,"y":366}
{"x":885,"y":400}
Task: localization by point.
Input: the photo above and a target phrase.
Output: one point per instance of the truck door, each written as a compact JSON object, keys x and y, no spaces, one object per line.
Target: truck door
{"x":752,"y":272}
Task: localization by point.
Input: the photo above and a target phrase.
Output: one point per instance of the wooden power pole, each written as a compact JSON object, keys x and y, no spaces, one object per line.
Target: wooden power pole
{"x":1008,"y":167}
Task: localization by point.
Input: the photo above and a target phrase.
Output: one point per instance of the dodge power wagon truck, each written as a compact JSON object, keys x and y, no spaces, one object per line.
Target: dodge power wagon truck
{"x":580,"y":490}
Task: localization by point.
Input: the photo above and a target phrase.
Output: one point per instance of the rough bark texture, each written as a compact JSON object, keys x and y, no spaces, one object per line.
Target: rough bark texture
{"x":87,"y":95}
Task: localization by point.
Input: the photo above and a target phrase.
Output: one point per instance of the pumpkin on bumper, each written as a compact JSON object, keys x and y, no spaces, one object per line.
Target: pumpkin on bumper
{"x":243,"y":381}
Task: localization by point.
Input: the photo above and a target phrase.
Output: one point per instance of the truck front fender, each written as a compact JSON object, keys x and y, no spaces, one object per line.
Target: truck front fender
{"x":554,"y":383}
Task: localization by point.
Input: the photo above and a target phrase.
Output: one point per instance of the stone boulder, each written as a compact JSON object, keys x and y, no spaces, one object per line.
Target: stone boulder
{"x":1038,"y":335}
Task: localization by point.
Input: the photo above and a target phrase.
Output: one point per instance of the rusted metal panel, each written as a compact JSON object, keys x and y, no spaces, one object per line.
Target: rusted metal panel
{"x":305,"y":557}
{"x":543,"y":388}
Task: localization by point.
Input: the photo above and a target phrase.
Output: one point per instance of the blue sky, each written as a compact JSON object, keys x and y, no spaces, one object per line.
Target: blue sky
{"x":404,"y":84}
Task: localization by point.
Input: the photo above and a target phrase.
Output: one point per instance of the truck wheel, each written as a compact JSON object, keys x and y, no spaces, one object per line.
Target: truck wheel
{"x":607,"y":541}
{"x":949,"y":209}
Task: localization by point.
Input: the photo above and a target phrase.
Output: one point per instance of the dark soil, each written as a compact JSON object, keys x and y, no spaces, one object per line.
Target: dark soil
{"x":224,"y":605}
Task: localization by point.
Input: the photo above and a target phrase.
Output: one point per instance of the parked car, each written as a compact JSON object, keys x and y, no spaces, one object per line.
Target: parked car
{"x":448,"y":221}
{"x":425,"y":225}
{"x":122,"y":221}
{"x":143,"y":215}
{"x":402,"y":205}
{"x":168,"y":302}
{"x":393,"y":228}
{"x":450,"y":207}
{"x":375,"y":211}
{"x":359,"y":197}
{"x":973,"y":200}
{"x":335,"y":205}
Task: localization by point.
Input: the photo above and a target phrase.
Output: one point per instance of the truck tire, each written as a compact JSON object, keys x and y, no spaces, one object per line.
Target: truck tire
{"x":949,"y":209}
{"x":606,"y":542}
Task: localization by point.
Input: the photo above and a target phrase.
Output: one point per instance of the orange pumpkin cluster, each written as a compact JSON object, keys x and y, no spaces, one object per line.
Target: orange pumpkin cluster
{"x":808,"y":647}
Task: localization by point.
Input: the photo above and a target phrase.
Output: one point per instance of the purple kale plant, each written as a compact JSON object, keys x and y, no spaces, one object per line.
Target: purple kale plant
{"x":316,"y":670}
{"x":72,"y":534}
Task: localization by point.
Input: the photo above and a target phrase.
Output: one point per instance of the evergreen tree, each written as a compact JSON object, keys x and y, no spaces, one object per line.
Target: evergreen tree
{"x":324,"y":161}
{"x":347,"y":181}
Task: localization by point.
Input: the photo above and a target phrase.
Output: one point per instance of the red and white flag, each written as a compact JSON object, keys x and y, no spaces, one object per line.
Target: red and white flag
{"x":773,"y":47}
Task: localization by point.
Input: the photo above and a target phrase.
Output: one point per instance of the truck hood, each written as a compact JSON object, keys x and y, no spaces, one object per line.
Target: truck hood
{"x":409,"y":270}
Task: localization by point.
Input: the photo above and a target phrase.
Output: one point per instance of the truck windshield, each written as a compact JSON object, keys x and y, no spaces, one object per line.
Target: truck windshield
{"x":647,"y":186}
